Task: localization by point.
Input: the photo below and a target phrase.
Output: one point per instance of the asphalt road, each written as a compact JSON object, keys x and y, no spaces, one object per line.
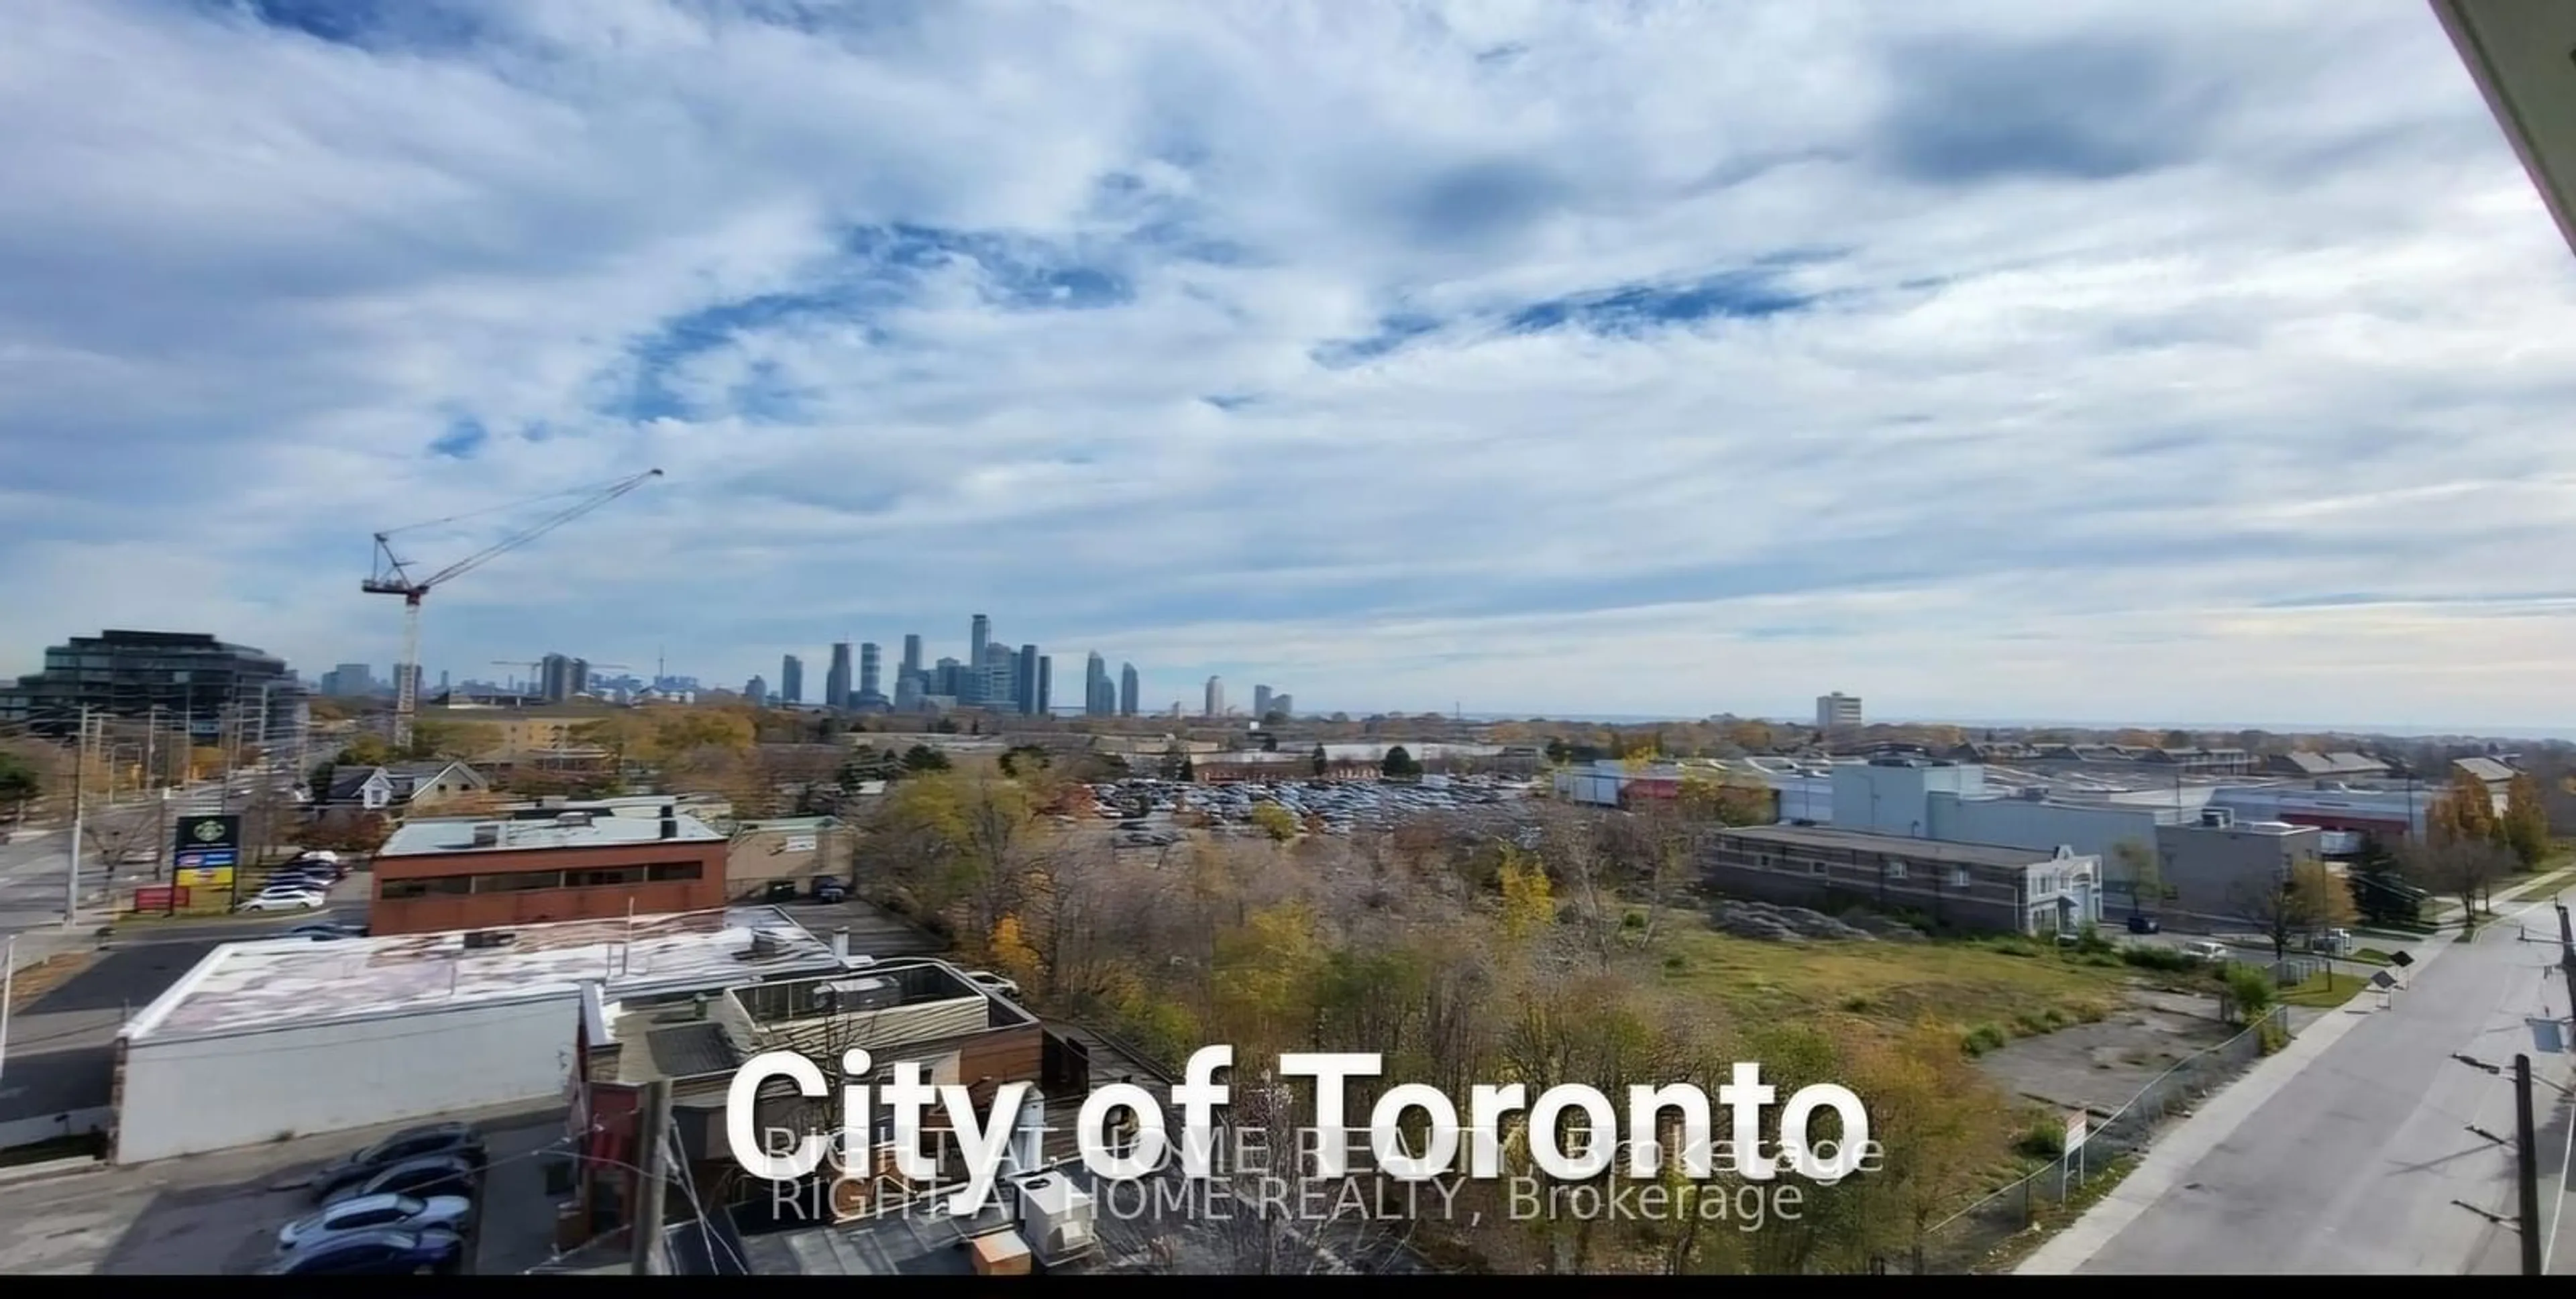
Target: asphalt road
{"x":2363,"y":1162}
{"x":32,"y":864}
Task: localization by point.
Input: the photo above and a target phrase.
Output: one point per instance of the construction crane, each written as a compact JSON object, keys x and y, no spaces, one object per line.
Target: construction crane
{"x":536,"y":668}
{"x":392,"y":576}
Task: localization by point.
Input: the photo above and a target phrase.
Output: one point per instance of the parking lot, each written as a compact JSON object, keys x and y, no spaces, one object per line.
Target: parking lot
{"x":1145,"y":811}
{"x":220,"y":1214}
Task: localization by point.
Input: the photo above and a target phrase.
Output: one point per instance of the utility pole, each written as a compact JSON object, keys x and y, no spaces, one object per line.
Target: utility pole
{"x":647,"y":1232}
{"x":80,"y":783}
{"x":2526,"y":1165}
{"x":2567,"y":949}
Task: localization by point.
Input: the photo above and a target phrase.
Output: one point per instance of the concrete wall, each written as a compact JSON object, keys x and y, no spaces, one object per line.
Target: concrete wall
{"x":757,"y":857}
{"x":2042,"y":827}
{"x":1894,"y":800}
{"x":2209,"y":869}
{"x":190,"y":1096}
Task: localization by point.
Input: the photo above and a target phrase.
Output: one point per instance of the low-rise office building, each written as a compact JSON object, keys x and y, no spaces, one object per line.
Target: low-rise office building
{"x":2218,"y":866}
{"x":572,"y":865}
{"x":1965,"y":886}
{"x":290,"y":1037}
{"x":791,"y":850}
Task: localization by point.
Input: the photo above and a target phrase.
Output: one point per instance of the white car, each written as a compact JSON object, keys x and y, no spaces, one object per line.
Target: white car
{"x":371,"y":1212}
{"x":282,"y":900}
{"x":2205,"y":951}
{"x":994,"y":983}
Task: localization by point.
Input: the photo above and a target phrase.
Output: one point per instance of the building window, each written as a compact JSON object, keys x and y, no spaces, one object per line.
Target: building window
{"x":1894,"y":869}
{"x":1958,"y":877}
{"x":678,"y":870}
{"x":434,"y":886}
{"x":594,"y":879}
{"x":1816,"y":867}
{"x":518,"y":882}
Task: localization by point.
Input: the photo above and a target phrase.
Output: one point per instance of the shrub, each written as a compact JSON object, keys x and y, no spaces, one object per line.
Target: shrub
{"x":2150,"y":956}
{"x":2250,"y":989}
{"x":2045,"y":1139}
{"x":1983,"y":1038}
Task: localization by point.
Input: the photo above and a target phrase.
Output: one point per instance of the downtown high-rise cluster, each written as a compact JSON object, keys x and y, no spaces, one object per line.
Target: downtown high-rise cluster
{"x":993,"y":676}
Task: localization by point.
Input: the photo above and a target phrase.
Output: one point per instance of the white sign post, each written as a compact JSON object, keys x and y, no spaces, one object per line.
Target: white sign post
{"x":2078,"y":1127}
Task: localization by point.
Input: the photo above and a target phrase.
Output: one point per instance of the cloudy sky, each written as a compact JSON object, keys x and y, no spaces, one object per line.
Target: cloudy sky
{"x":2044,"y":360}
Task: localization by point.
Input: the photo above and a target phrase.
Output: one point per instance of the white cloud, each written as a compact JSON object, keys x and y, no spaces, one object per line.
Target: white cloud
{"x":2115,"y":334}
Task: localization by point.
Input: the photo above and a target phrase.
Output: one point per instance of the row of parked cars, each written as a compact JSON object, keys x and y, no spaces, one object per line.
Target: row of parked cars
{"x":402,"y":1205}
{"x":303,"y":884}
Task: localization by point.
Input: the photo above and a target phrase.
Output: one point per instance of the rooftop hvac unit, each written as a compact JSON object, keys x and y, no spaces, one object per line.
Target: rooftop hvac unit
{"x":2217,"y":818}
{"x":768,"y":945}
{"x":487,"y":835}
{"x":485,"y":939}
{"x":853,"y":995}
{"x":1057,"y":1218}
{"x":1026,"y":1152}
{"x":572,"y":820}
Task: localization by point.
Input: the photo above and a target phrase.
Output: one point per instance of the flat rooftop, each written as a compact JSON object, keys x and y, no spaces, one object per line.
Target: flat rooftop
{"x":427,"y":838}
{"x":282,"y":983}
{"x":1893,"y":845}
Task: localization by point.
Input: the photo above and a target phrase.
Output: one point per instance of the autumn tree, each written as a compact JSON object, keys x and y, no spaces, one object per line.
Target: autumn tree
{"x":21,"y":781}
{"x":1275,"y":821}
{"x":2134,"y":863}
{"x":1935,"y":1118}
{"x":2457,"y":867}
{"x":1529,"y":905}
{"x":922,"y":757}
{"x":1009,"y":951}
{"x":2524,"y":828}
{"x":2464,"y":811}
{"x":434,"y":737}
{"x":2305,"y":898}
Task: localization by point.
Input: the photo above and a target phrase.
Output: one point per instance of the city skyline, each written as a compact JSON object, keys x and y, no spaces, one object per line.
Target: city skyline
{"x":2017,"y":364}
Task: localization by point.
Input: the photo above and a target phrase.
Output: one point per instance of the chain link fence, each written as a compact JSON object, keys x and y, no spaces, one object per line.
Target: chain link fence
{"x":1969,"y":1238}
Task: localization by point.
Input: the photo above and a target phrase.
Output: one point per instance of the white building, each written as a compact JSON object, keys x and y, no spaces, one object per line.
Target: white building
{"x":1837,"y":711}
{"x":290,"y":1037}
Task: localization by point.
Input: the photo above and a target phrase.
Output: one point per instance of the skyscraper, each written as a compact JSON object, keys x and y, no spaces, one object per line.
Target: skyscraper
{"x":869,"y":695}
{"x":836,"y":679}
{"x":554,"y":678}
{"x":1215,"y":697}
{"x":912,"y":652}
{"x":1099,"y":699}
{"x":1260,"y":702}
{"x":1024,"y":681}
{"x":946,"y":679}
{"x":1284,"y":704}
{"x":756,"y":690}
{"x":1000,"y":667}
{"x":791,"y":680}
{"x":1046,"y":684}
{"x":979,"y":637}
{"x":1127,"y":690}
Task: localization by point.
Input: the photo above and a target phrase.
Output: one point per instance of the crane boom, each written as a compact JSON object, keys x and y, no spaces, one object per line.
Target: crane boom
{"x":393,"y":577}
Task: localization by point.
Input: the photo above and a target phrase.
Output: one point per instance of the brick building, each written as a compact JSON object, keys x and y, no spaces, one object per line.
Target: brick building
{"x":1961,"y":885}
{"x":575,"y":865}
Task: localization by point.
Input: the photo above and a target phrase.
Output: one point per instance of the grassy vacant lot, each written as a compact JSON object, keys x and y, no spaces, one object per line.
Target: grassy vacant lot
{"x":1994,"y":988}
{"x":2325,"y":990}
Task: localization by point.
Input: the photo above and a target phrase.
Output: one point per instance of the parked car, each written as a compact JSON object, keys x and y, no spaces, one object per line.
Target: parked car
{"x":2205,"y":951}
{"x":412,"y":1143}
{"x":830,"y":889}
{"x":2145,"y":925}
{"x":320,"y":933}
{"x":2332,"y":942}
{"x":992,"y":982}
{"x":779,"y":891}
{"x":373,"y":1253}
{"x":287,"y":899}
{"x":424,"y":1176}
{"x":375,"y":1213}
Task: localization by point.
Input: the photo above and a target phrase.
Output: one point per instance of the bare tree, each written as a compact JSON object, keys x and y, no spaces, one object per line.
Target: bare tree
{"x":2457,"y":867}
{"x":2303,"y":898}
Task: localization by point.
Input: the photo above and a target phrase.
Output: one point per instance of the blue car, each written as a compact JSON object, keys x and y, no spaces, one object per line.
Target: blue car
{"x":373,"y":1253}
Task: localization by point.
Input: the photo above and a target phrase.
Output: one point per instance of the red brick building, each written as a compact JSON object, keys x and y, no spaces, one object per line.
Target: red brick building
{"x":494,"y":873}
